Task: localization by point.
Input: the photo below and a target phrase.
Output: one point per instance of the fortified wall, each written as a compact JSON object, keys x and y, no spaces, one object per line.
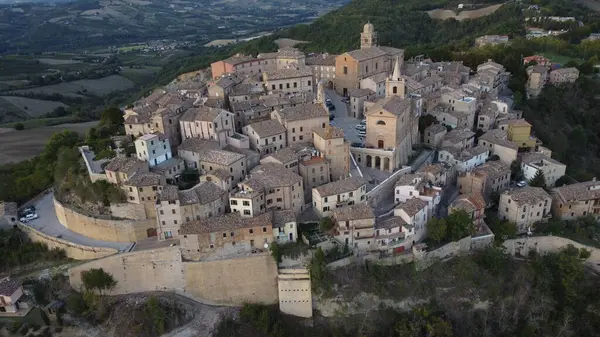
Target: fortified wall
{"x":546,"y":244}
{"x":235,"y":281}
{"x":74,"y":251}
{"x":104,"y":229}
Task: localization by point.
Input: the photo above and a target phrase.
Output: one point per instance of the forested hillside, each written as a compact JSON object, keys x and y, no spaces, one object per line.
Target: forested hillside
{"x":401,"y":24}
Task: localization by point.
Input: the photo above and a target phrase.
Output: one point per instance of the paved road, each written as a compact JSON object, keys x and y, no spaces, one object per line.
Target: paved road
{"x":48,"y":223}
{"x":348,"y":124}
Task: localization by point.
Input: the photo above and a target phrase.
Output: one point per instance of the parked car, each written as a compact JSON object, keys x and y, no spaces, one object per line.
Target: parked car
{"x":362,"y":132}
{"x":28,"y":217}
{"x":361,"y":127}
{"x":522,"y":183}
{"x":331,"y":108}
{"x":328,"y":100}
{"x":357,"y":144}
{"x":363,"y":122}
{"x":30,"y":209}
{"x":331,"y":117}
{"x":346,"y":100}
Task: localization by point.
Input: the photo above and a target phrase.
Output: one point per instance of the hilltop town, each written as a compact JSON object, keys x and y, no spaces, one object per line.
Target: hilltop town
{"x":360,"y":154}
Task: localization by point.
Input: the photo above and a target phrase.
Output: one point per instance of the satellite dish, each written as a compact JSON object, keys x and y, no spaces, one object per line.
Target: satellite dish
{"x":266,"y":246}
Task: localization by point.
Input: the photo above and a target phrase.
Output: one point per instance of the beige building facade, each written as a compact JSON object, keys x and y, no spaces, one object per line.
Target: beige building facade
{"x":301,"y":121}
{"x":232,"y":163}
{"x":326,"y":198}
{"x":208,"y":123}
{"x":524,"y":206}
{"x":354,"y":226}
{"x":267,"y":136}
{"x":332,"y":146}
{"x":573,"y":201}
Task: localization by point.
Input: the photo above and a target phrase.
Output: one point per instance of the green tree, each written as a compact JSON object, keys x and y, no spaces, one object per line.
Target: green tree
{"x":437,"y":229}
{"x":459,"y":225}
{"x":156,"y":315}
{"x":19,"y":126}
{"x":275,"y":251}
{"x":111,"y":116}
{"x":98,"y":279}
{"x":539,"y":180}
{"x":502,"y":228}
{"x":317,"y":268}
{"x":326,"y":224}
{"x":59,"y":140}
{"x":516,"y":173}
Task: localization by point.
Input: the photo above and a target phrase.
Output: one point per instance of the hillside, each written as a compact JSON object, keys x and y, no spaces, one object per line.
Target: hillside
{"x":401,"y":24}
{"x":40,"y":27}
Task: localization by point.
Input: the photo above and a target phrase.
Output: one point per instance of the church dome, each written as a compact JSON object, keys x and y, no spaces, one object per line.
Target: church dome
{"x":368,"y":28}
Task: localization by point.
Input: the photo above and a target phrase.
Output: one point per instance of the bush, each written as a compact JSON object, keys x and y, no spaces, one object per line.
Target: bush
{"x":76,"y":304}
{"x":19,"y":126}
{"x":584,"y":253}
{"x":13,"y":327}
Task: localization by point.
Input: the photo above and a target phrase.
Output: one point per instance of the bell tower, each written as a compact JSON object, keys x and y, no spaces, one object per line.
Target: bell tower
{"x":395,"y":84}
{"x":368,"y":38}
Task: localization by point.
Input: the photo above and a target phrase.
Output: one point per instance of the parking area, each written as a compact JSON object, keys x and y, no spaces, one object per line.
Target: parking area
{"x":48,"y":223}
{"x":348,"y":124}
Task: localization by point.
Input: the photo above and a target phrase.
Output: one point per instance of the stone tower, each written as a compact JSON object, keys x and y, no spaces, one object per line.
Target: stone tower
{"x":395,"y":84}
{"x":320,"y":93}
{"x":368,"y":38}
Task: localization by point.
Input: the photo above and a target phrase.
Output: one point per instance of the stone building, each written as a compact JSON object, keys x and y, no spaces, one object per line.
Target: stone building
{"x":232,"y":163}
{"x":390,"y":235}
{"x":537,"y":77}
{"x":285,"y":228}
{"x":339,"y":193}
{"x":153,"y":148}
{"x":353,"y":66}
{"x":524,"y":206}
{"x":314,"y":172}
{"x":534,"y":162}
{"x":290,"y":80}
{"x":239,"y":64}
{"x":354,"y":226}
{"x":392,"y":130}
{"x":417,"y":185}
{"x":290,"y":157}
{"x":175,"y":207}
{"x":493,"y":176}
{"x":121,"y":169}
{"x":415,"y":212}
{"x":267,"y":136}
{"x":191,"y":150}
{"x":208,"y":123}
{"x":301,"y":121}
{"x":295,"y":291}
{"x":459,"y":139}
{"x":268,"y":187}
{"x":225,"y":235}
{"x":357,"y":101}
{"x":518,"y":131}
{"x":464,"y":160}
{"x":434,"y":135}
{"x":564,"y":75}
{"x":492,"y":77}
{"x":143,"y":187}
{"x":333,"y":147}
{"x":570,"y":202}
{"x":11,"y":298}
{"x":474,"y":204}
{"x":323,"y":68}
{"x":497,"y":142}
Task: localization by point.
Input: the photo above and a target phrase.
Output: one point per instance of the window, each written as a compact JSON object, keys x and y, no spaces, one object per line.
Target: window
{"x":246,"y":203}
{"x":293,"y":130}
{"x":345,"y":70}
{"x":161,"y":212}
{"x":247,"y":212}
{"x":264,"y":229}
{"x":174,"y":222}
{"x":251,"y":230}
{"x":232,"y":234}
{"x":233,"y":202}
{"x":279,"y":199}
{"x":173,"y":211}
{"x":380,"y":122}
{"x":224,"y":235}
{"x":301,"y":129}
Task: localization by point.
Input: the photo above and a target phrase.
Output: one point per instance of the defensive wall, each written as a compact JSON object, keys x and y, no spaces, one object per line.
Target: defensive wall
{"x":105,"y":229}
{"x":546,"y":244}
{"x":73,"y":250}
{"x":234,"y":281}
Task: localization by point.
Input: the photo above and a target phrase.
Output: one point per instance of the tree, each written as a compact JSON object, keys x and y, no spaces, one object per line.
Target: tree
{"x":275,"y":251}
{"x":437,"y":229}
{"x":98,"y":279}
{"x":539,"y":180}
{"x":459,"y":225}
{"x":326,"y":224}
{"x":515,"y":170}
{"x":317,"y":268}
{"x":19,"y":126}
{"x":111,"y":116}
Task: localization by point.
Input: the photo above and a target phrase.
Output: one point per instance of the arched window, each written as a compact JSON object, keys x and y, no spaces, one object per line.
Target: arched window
{"x":380,"y":122}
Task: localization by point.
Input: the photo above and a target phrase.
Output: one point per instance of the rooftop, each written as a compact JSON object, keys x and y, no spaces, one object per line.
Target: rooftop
{"x":280,"y":218}
{"x":361,"y":92}
{"x":436,"y":128}
{"x":271,"y":175}
{"x":141,"y":179}
{"x":267,"y":128}
{"x":517,"y":122}
{"x":412,"y":206}
{"x":330,"y":132}
{"x":366,"y":53}
{"x":321,"y":60}
{"x":226,"y":222}
{"x":197,"y":145}
{"x":8,"y":208}
{"x":203,"y":193}
{"x":221,"y":157}
{"x":8,"y":286}
{"x":498,"y":137}
{"x":167,"y":165}
{"x":281,"y":74}
{"x":395,"y":105}
{"x":538,"y":159}
{"x":434,"y":169}
{"x":238,"y":58}
{"x":379,"y":78}
{"x":469,"y":202}
{"x":527,"y":195}
{"x":303,"y":111}
{"x":285,"y":155}
{"x":124,"y":164}
{"x":221,"y":174}
{"x":315,"y":160}
{"x":391,"y":222}
{"x":493,"y":169}
{"x":455,"y":136}
{"x":587,"y":190}
{"x":340,"y":186}
{"x":202,"y":114}
{"x":354,"y":212}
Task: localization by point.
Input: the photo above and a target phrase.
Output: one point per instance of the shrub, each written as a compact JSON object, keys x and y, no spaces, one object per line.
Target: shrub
{"x":584,"y":253}
{"x":19,"y":126}
{"x":76,"y":304}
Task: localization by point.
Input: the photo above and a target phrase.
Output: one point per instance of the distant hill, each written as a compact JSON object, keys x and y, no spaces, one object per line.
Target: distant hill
{"x":40,"y":26}
{"x":404,"y":23}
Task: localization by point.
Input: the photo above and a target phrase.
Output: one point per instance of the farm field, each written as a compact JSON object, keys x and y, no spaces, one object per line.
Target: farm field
{"x":16,"y":146}
{"x":443,"y":14}
{"x":32,"y":107}
{"x":556,"y":58}
{"x":97,"y":87}
{"x":139,"y":76}
{"x":55,"y":62}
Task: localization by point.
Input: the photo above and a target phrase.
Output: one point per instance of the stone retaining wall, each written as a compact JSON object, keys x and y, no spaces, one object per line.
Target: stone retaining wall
{"x":73,"y":250}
